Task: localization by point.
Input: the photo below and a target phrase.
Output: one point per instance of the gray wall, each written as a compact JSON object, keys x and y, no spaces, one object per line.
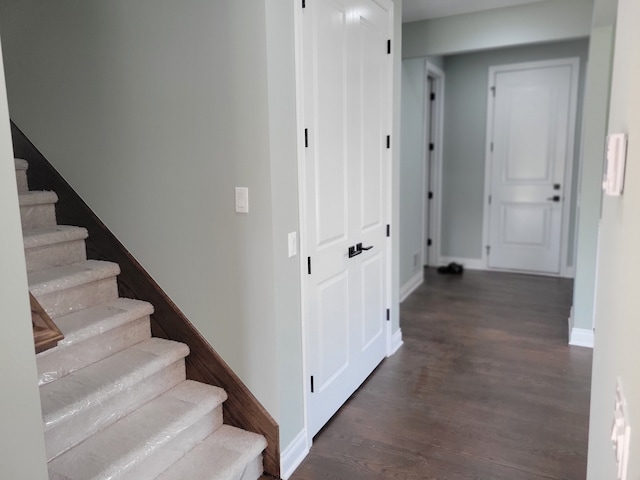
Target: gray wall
{"x":22,"y":455}
{"x":548,"y":21}
{"x":596,"y":110}
{"x":463,"y":172}
{"x":616,"y":353}
{"x":411,"y":167}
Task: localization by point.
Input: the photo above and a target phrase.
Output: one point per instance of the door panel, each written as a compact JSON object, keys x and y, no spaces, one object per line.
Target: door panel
{"x":347,"y":95}
{"x":531,"y":126}
{"x":330,"y":125}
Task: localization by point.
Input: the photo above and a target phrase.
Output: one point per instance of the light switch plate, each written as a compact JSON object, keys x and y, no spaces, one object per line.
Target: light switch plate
{"x":242,"y":200}
{"x":293,"y":244}
{"x":613,"y":183}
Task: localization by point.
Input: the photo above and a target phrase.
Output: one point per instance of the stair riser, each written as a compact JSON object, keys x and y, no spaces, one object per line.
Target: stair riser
{"x":69,"y":300}
{"x":21,"y":178}
{"x":92,"y":419}
{"x":36,"y":216}
{"x":64,"y":359}
{"x":176,"y":448}
{"x":55,"y":255}
{"x":254,"y":469}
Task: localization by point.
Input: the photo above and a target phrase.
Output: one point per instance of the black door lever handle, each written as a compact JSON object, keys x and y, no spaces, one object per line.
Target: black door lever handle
{"x":353,"y":252}
{"x":360,"y":248}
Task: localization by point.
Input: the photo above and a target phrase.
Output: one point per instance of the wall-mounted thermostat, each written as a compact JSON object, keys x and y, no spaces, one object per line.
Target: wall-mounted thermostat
{"x":613,"y":183}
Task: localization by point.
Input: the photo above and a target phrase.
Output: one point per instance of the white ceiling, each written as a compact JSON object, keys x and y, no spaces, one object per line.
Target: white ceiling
{"x":414,"y":10}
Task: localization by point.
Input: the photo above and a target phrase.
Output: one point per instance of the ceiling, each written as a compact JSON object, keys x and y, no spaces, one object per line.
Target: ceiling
{"x":414,"y":10}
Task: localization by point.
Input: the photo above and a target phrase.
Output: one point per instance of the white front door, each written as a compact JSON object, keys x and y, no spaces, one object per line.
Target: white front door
{"x":346,"y":77}
{"x":531,"y":145}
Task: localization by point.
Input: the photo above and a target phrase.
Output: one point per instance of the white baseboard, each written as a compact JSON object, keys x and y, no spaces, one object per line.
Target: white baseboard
{"x":294,"y":454}
{"x":581,"y":337}
{"x":408,"y":288}
{"x":470,"y":263}
{"x":394,"y":341}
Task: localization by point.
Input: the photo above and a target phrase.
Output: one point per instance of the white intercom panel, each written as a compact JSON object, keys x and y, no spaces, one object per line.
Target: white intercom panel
{"x":613,"y":183}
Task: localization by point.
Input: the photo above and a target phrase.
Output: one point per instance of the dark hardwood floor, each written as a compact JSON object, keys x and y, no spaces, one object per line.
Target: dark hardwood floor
{"x":485,"y":388}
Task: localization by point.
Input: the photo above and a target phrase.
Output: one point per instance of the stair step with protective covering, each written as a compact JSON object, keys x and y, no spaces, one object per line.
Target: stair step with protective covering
{"x":227,"y":454}
{"x":86,"y":401}
{"x":21,"y":175}
{"x":37,"y":209}
{"x":93,"y":334}
{"x":146,"y":442}
{"x":54,"y":246}
{"x":69,"y":288}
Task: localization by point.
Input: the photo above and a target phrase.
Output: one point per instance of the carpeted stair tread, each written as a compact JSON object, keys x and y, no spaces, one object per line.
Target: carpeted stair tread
{"x":93,"y":334}
{"x":147,"y":439}
{"x":224,"y":455}
{"x":35,"y":197}
{"x":21,"y":164}
{"x":42,"y":282}
{"x":53,"y":246}
{"x":78,"y":326}
{"x":21,"y":175}
{"x":94,"y":384}
{"x":44,"y":236}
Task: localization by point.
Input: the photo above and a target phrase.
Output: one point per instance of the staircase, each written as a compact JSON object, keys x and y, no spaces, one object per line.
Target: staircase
{"x":115,"y":400}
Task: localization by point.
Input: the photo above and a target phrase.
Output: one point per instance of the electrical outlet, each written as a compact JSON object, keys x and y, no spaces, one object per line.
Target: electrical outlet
{"x":621,"y":432}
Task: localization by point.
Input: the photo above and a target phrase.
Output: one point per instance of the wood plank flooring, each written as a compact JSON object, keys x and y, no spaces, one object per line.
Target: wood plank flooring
{"x":484,"y":388}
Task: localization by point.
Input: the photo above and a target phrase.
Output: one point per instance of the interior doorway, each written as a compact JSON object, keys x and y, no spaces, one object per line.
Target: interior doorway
{"x":432,"y":167}
{"x":531,"y":118}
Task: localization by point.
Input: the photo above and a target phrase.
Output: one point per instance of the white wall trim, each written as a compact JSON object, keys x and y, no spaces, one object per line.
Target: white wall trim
{"x":431,"y":255}
{"x":567,"y":188}
{"x":470,"y":263}
{"x":581,"y":337}
{"x":413,"y":283}
{"x":293,"y":455}
{"x":394,"y":341}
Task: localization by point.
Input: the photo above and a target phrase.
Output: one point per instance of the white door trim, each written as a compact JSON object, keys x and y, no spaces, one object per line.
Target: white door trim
{"x":393,"y":342}
{"x":574,"y":63}
{"x":302,"y":208}
{"x":432,"y":257}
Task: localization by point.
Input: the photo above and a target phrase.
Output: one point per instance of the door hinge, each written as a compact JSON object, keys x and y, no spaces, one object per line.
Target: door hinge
{"x":431,"y":147}
{"x":309,"y":265}
{"x":388,"y":141}
{"x":388,"y":314}
{"x":493,"y":91}
{"x":433,"y":96}
{"x":306,"y":138}
{"x":312,"y":384}
{"x":430,"y":195}
{"x":489,"y":199}
{"x":304,"y":4}
{"x":389,"y":47}
{"x":488,"y":247}
{"x":491,"y":147}
{"x":429,"y":242}
{"x":388,"y":230}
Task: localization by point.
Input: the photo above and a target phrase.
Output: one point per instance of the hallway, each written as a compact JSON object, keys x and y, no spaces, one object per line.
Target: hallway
{"x":485,"y":387}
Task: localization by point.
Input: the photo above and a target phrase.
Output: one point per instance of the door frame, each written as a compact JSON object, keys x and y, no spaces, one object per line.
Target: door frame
{"x":300,"y":446}
{"x":574,"y":63}
{"x":431,"y":256}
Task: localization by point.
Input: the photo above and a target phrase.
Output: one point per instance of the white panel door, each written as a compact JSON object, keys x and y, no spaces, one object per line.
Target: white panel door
{"x":369,"y":164}
{"x":346,"y":116}
{"x":532,"y":127}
